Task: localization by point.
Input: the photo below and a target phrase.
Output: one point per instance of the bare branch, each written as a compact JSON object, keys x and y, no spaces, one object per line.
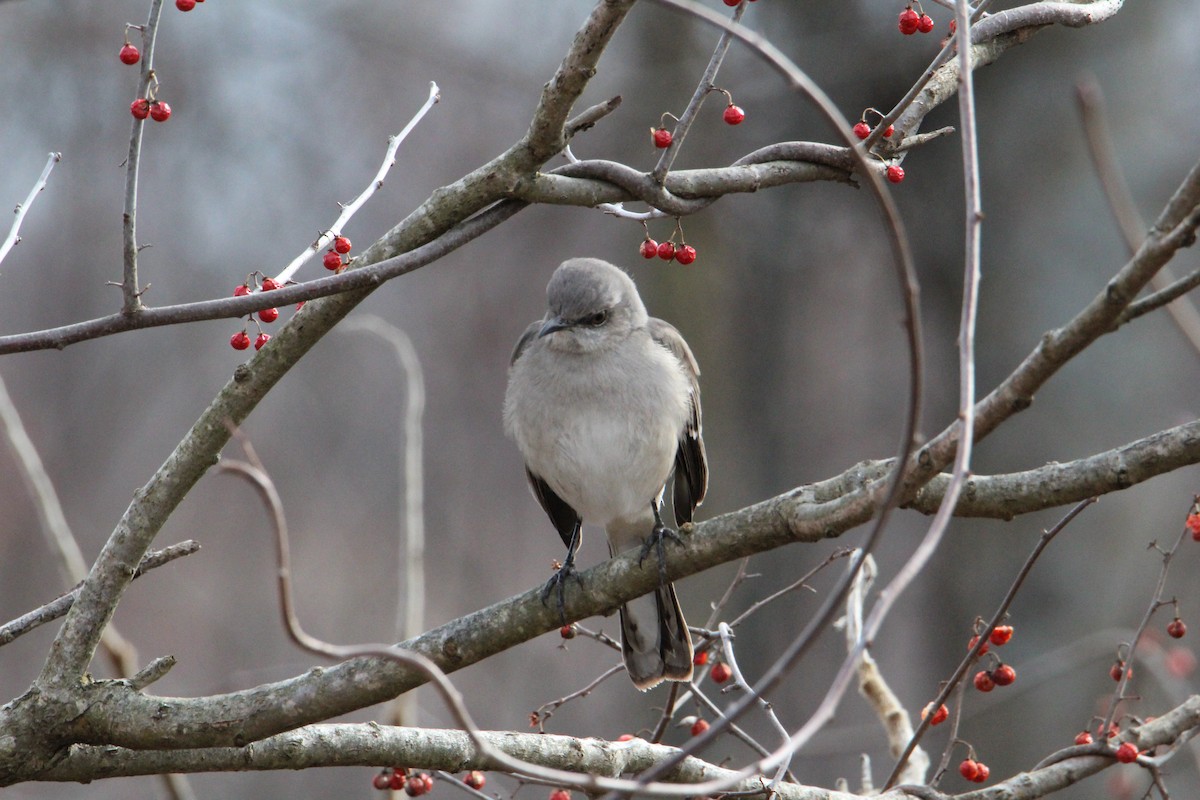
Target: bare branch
{"x":14,"y":233}
{"x":348,"y":211}
{"x":58,"y":607}
{"x":130,"y":289}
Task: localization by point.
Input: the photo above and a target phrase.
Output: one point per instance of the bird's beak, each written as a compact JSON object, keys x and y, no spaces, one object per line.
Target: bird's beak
{"x":551,"y":325}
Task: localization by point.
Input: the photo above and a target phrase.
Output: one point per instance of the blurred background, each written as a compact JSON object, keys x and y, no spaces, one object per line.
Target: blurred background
{"x":282,"y":110}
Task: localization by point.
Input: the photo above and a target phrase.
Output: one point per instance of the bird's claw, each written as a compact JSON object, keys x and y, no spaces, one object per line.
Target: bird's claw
{"x":558,"y":584}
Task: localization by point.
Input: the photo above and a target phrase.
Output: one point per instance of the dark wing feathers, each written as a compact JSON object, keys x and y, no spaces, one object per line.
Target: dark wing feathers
{"x":565,"y":518}
{"x":691,"y":465}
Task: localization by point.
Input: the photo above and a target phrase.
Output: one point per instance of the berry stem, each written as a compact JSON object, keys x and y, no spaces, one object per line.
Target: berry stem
{"x":659,"y":173}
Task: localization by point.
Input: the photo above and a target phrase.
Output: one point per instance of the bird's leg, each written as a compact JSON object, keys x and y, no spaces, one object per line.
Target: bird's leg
{"x":655,"y":542}
{"x":567,"y":570}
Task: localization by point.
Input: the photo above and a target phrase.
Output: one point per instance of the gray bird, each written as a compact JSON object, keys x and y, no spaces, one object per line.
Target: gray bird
{"x":604,"y":404}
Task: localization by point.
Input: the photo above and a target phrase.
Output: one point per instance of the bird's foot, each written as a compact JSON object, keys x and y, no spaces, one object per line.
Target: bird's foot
{"x":655,"y":542}
{"x":558,"y":585}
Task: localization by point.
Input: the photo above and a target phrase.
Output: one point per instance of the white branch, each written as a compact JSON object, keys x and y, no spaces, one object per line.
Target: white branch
{"x":348,"y":211}
{"x":22,"y":209}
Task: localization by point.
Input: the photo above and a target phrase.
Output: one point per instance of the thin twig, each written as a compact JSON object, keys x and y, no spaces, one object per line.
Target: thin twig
{"x":799,"y":583}
{"x":1156,"y":601}
{"x":130,"y":290}
{"x":973,"y":654}
{"x":62,"y":604}
{"x":546,"y":710}
{"x":14,"y":233}
{"x":348,"y":211}
{"x":667,"y":159}
{"x":1133,"y":228}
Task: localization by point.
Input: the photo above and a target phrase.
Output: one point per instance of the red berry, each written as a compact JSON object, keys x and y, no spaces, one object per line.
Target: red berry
{"x":268,"y":284}
{"x":474,"y":779}
{"x":701,"y":658}
{"x":1117,"y":668}
{"x":1176,"y":628}
{"x":861,"y":129}
{"x":397,"y":780}
{"x":649,"y":248}
{"x":699,"y":727}
{"x":1004,"y":675}
{"x":560,"y":794}
{"x":925,"y":23}
{"x":1113,"y":730}
{"x":567,"y":631}
{"x":418,"y":785}
{"x":140,"y":108}
{"x":269,"y":314}
{"x":342,"y":245}
{"x":1083,"y":737}
{"x":1001,"y":634}
{"x":666,"y":251}
{"x":160,"y":111}
{"x":733,"y":114}
{"x":686,"y":254}
{"x":939,"y":716}
{"x":983,"y":681}
{"x":241,"y":291}
{"x":129,"y":54}
{"x":732,"y":2}
{"x":382,"y":781}
{"x":909,"y":20}
{"x":1193,"y":525}
{"x":260,"y":340}
{"x":974,"y":640}
{"x":332,"y":260}
{"x":239,"y":341}
{"x":981,"y":772}
{"x":662,"y":137}
{"x":968,"y":769}
{"x":721,"y":673}
{"x":895,"y":173}
{"x":1127,"y":753}
{"x":888,"y":131}
{"x":185,"y":5}
{"x":625,"y":737}
{"x":953,"y":26}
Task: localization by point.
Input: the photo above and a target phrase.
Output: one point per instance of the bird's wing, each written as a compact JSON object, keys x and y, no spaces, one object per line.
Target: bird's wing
{"x":528,"y":336}
{"x":691,"y":465}
{"x":565,"y":518}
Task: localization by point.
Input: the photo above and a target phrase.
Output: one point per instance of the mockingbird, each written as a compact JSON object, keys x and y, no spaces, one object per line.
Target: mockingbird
{"x":604,"y":404}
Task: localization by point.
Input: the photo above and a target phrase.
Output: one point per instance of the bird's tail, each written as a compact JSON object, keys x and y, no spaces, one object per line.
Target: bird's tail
{"x":655,"y":642}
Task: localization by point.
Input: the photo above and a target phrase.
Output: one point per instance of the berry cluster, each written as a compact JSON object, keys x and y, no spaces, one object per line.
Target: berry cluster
{"x":333,"y":257}
{"x":241,"y":340}
{"x":911,"y":21}
{"x":1002,"y":674}
{"x":683,"y":252}
{"x":862,"y":129}
{"x":157,"y":110}
{"x":974,"y":771}
{"x":667,"y":251}
{"x":414,"y":784}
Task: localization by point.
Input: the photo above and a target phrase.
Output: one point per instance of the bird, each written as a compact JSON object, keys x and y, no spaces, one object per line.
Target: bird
{"x":603,"y":402}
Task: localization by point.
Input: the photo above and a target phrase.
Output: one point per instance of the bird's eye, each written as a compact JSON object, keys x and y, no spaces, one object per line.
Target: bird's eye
{"x":597,"y":319}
